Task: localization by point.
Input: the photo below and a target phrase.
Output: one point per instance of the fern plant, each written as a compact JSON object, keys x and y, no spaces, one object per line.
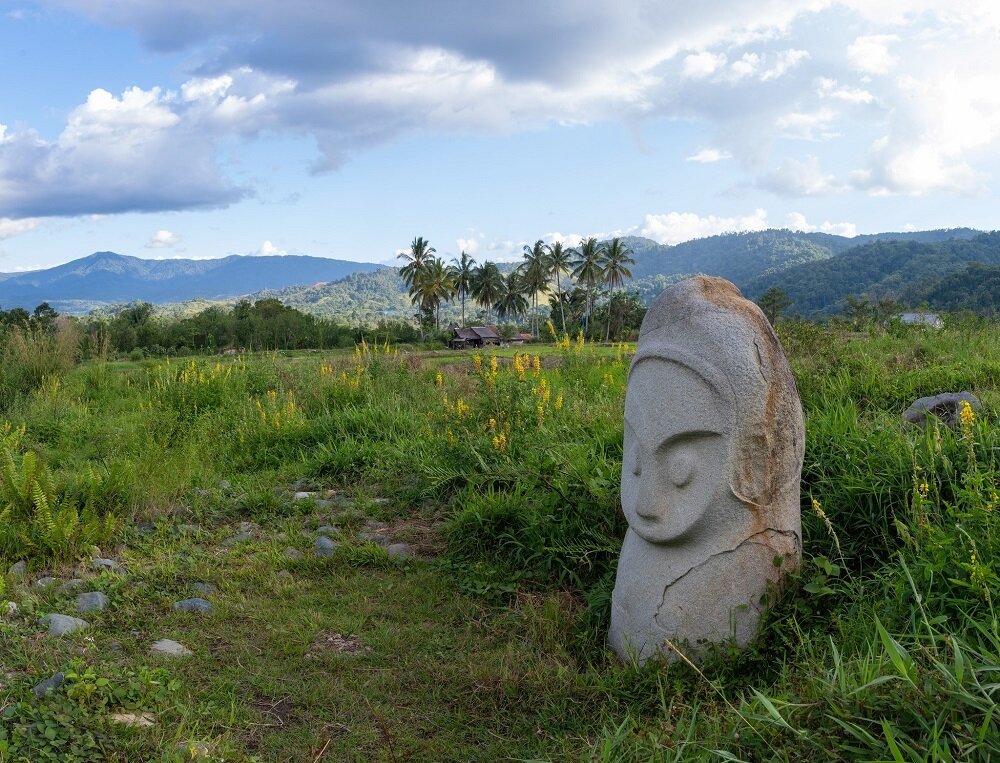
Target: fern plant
{"x":37,"y":519}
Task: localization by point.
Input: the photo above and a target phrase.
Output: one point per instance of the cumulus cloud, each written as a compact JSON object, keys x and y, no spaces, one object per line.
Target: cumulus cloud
{"x":871,"y":54}
{"x":268,"y":249}
{"x":10,"y":227}
{"x":676,"y":227}
{"x":800,"y":178}
{"x":468,"y":245}
{"x":814,"y":125}
{"x":163,"y":239}
{"x":709,"y":155}
{"x":797,"y":221}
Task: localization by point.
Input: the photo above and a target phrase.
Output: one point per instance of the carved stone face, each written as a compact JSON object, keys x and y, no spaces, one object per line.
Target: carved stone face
{"x":676,"y":460}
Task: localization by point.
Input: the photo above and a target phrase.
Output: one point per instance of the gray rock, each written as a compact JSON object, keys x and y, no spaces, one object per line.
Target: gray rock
{"x":60,"y":625}
{"x":248,"y":527}
{"x":400,"y":551}
{"x":714,"y":440}
{"x":223,"y":484}
{"x":328,"y":530}
{"x":193,"y":605}
{"x":301,"y":484}
{"x":71,"y":585}
{"x":947,"y":407}
{"x":343,"y":502}
{"x":323,"y":503}
{"x":205,"y":589}
{"x":284,"y":576}
{"x":46,"y":582}
{"x":325,"y":546}
{"x":104,"y":564}
{"x":94,"y":601}
{"x":18,"y":569}
{"x":12,"y":609}
{"x":292,"y":553}
{"x":304,"y":495}
{"x":170,"y":648}
{"x":53,"y":683}
{"x":234,"y":540}
{"x":146,"y":528}
{"x":376,"y":538}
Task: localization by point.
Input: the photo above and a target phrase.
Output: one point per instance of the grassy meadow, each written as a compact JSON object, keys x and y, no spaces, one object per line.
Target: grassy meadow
{"x":500,"y":469}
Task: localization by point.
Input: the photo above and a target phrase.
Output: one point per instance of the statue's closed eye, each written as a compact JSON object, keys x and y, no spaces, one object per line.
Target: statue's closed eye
{"x":681,"y":455}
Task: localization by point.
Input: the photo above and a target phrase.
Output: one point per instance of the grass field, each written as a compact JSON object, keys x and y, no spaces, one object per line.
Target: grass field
{"x":500,"y":472}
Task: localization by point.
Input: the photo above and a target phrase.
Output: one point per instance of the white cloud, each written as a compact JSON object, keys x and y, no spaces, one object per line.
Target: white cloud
{"x":10,"y":227}
{"x":830,"y":88}
{"x":800,"y":178}
{"x":676,"y":227}
{"x":814,"y":125}
{"x":163,"y":239}
{"x":268,"y":249}
{"x":870,"y":54}
{"x":702,"y":64}
{"x":797,"y":221}
{"x":468,"y":245}
{"x":709,"y":155}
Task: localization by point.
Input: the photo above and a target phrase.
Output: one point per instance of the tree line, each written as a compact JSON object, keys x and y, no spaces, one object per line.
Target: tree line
{"x":511,"y":296}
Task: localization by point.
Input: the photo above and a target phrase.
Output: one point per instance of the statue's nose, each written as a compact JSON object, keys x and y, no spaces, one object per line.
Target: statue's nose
{"x":651,"y":502}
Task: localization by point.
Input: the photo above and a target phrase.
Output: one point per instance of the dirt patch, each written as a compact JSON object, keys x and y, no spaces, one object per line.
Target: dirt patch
{"x":331,"y":641}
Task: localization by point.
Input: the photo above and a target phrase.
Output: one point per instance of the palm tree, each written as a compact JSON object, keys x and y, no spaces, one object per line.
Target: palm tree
{"x":616,"y":256}
{"x":535,"y":273}
{"x":433,"y":284}
{"x":587,"y":270}
{"x":560,"y":261}
{"x":462,"y":269}
{"x":487,"y":285}
{"x":420,"y":251}
{"x":512,"y":301}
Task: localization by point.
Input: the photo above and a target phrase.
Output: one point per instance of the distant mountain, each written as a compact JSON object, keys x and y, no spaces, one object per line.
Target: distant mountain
{"x":880,"y":268}
{"x":975,"y":288}
{"x":107,"y":278}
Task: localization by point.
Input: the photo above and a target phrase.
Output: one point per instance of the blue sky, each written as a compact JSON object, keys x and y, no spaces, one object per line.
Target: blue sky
{"x":345,"y":128}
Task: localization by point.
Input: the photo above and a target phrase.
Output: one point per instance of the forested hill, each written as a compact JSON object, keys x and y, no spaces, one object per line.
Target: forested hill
{"x":875,"y":270}
{"x":975,"y":288}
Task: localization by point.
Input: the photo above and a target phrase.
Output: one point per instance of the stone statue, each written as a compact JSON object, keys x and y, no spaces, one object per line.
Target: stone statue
{"x":714,"y":440}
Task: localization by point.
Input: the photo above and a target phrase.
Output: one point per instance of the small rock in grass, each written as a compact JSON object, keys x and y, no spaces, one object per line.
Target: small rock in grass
{"x":60,"y":625}
{"x":292,"y":553}
{"x":248,"y":527}
{"x":206,"y":589}
{"x":223,"y":484}
{"x":325,"y":546}
{"x":342,"y":502}
{"x":328,"y":530}
{"x":45,"y":582}
{"x":380,"y":501}
{"x":18,"y":569}
{"x":146,"y":528}
{"x":304,"y":495}
{"x":376,"y":538}
{"x":285,"y":576}
{"x":138,"y":720}
{"x":49,"y":683}
{"x":104,"y":564}
{"x":11,"y":609}
{"x":193,"y":605}
{"x":322,"y":503}
{"x":170,"y":647}
{"x":400,"y":551}
{"x":193,"y":750}
{"x":235,"y":539}
{"x":91,"y":602}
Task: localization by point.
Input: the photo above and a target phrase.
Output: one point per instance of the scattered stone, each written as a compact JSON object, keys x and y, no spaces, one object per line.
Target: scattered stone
{"x":376,"y":538}
{"x":947,"y":407}
{"x":323,"y":503}
{"x":170,"y":647}
{"x":292,"y":554}
{"x":400,"y":551}
{"x":49,"y":683}
{"x":115,"y":647}
{"x":91,"y":602}
{"x":331,"y":641}
{"x":60,"y":625}
{"x":224,"y":485}
{"x":343,"y":502}
{"x":137,"y":720}
{"x":104,"y":564}
{"x":285,"y":576}
{"x":304,"y":495}
{"x":328,"y":530}
{"x":236,"y":539}
{"x":11,"y":608}
{"x":205,"y":589}
{"x":43,"y":583}
{"x":301,"y":484}
{"x":193,"y":750}
{"x":380,"y":501}
{"x":248,"y":527}
{"x":325,"y":546}
{"x":193,"y":605}
{"x":710,"y":484}
{"x":18,"y":569}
